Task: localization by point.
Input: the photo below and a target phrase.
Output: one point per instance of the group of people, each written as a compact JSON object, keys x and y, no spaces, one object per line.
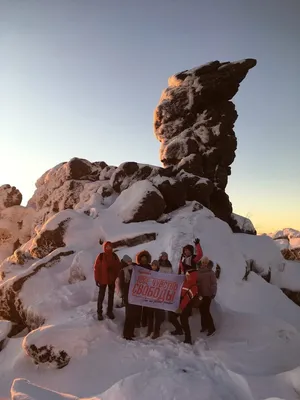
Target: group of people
{"x":198,"y":290}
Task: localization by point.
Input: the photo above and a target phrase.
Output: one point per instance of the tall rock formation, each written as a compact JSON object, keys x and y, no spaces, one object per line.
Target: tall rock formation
{"x":194,"y":122}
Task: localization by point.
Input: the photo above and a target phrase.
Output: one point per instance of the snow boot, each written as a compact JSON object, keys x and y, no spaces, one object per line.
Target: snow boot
{"x":121,"y":305}
{"x":188,"y":340}
{"x":155,"y":335}
{"x":211,"y":333}
{"x":148,"y":333}
{"x":177,"y":332}
{"x":128,"y":338}
{"x":110,"y":315}
{"x":100,"y":317}
{"x":203,"y":330}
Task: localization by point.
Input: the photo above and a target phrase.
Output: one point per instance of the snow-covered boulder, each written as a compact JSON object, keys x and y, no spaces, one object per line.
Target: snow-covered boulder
{"x":22,"y":389}
{"x":140,"y":202}
{"x":194,"y":121}
{"x":262,"y":250}
{"x":242,"y":225}
{"x":38,"y":345}
{"x":5,"y":328}
{"x":178,"y":383}
{"x":54,"y":346}
{"x":13,"y":306}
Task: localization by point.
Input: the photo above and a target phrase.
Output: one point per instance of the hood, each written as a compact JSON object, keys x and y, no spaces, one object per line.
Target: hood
{"x":141,"y":254}
{"x":162,"y":254}
{"x":105,"y":245}
{"x":190,"y":247}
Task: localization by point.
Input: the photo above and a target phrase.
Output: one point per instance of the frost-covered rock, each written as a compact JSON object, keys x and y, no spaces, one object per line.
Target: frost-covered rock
{"x":16,"y":224}
{"x":60,"y":187}
{"x":242,"y":225}
{"x":194,"y":122}
{"x":9,"y":196}
{"x":140,"y":202}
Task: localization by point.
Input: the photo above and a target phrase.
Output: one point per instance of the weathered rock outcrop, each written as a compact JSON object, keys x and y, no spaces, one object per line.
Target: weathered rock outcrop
{"x":194,"y":122}
{"x":9,"y":196}
{"x":15,"y":228}
{"x":60,"y":187}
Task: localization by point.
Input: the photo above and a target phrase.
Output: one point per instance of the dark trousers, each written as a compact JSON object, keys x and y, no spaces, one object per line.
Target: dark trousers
{"x":207,"y":321}
{"x":132,"y":313}
{"x":155,"y":319}
{"x":184,"y":321}
{"x":142,"y":319}
{"x":101,"y":295}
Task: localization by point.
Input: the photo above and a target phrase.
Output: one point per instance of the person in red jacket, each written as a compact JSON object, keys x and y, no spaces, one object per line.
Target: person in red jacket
{"x":189,"y":298}
{"x":188,"y":259}
{"x":106,"y":270}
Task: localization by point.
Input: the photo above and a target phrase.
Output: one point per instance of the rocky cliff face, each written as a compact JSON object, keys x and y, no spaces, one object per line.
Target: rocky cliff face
{"x":194,"y":122}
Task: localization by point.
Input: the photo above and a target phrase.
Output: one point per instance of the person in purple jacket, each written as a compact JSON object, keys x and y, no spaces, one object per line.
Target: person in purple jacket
{"x":207,"y":289}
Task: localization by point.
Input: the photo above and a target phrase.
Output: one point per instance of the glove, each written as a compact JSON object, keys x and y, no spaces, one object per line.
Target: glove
{"x":213,"y":296}
{"x":178,"y":311}
{"x":197,"y":241}
{"x":98,"y":284}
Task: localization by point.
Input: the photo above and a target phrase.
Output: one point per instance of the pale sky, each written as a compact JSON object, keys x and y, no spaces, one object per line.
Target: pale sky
{"x":82,"y":78}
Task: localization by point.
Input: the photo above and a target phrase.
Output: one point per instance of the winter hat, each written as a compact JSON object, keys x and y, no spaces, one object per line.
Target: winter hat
{"x":164,"y":254}
{"x":105,"y":244}
{"x":127,"y":258}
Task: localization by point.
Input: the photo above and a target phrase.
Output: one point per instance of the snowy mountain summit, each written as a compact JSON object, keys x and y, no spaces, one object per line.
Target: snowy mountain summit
{"x":51,"y":342}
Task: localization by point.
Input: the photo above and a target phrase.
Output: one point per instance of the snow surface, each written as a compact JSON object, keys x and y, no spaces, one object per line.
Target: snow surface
{"x":254,"y":355}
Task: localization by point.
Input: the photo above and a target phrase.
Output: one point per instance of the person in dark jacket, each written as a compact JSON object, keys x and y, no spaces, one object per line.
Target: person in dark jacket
{"x":106,"y":271}
{"x":126,"y":260}
{"x":164,"y":264}
{"x":132,"y":311}
{"x":143,"y":259}
{"x":155,"y":316}
{"x":188,"y":259}
{"x":189,"y":298}
{"x":207,"y":287}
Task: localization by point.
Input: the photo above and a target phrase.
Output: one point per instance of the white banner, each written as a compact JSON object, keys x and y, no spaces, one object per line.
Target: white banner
{"x":155,"y":289}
